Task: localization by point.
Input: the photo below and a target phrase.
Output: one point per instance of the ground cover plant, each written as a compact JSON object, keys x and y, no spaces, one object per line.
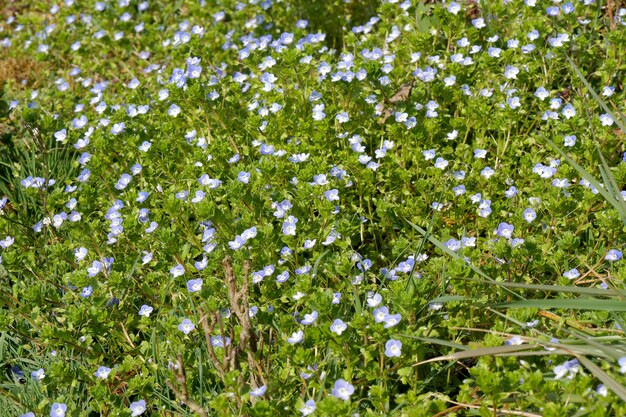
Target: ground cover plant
{"x":312,"y":208}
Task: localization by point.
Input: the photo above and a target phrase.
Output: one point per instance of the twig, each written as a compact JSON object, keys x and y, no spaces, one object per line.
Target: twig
{"x":182,"y":394}
{"x":227,"y":349}
{"x":207,"y":330}
{"x":230,"y":139}
{"x":127,"y":337}
{"x":499,"y":411}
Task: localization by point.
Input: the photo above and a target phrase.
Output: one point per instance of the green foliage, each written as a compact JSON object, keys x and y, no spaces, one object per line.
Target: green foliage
{"x":322,"y":211}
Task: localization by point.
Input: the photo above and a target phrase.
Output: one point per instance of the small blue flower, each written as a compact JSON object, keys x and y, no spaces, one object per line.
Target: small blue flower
{"x":6,"y":242}
{"x":145,"y":146}
{"x":553,"y":11}
{"x":572,"y":274}
{"x":338,"y":326}
{"x":60,"y":135}
{"x":58,"y":410}
{"x":568,"y":111}
{"x":342,"y":390}
{"x":86,"y":292}
{"x":374,"y":299}
{"x":174,"y":110}
{"x":136,"y":169}
{"x":177,"y":270}
{"x":532,"y":324}
{"x":567,"y":8}
{"x":393,"y":348}
{"x":237,"y":243}
{"x":200,"y":265}
{"x":144,"y":215}
{"x":38,"y":375}
{"x":613,"y":255}
{"x":95,"y":268}
{"x":283,"y":276}
{"x":364,"y":265}
{"x":309,"y":318}
{"x":332,"y":195}
{"x":118,"y":128}
{"x":243,"y":176}
{"x":505,"y":230}
{"x":258,"y":391}
{"x":529,"y":215}
{"x":194,"y":285}
{"x":102,"y":372}
{"x":514,"y":341}
{"x":145,"y":310}
{"x":342,"y":117}
{"x":146,"y":258}
{"x":296,"y":337}
{"x":441,"y":163}
{"x":199,"y":197}
{"x":487,"y":172}
{"x":515,"y":242}
{"x":336,"y":298}
{"x":123,"y":181}
{"x":249,"y":233}
{"x":380,"y":314}
{"x":307,"y":409}
{"x":453,"y":244}
{"x":569,"y":140}
{"x":391,"y":320}
{"x":186,"y":326}
{"x":303,"y":270}
{"x":217,"y":341}
{"x":267,"y":149}
{"x":289,"y":226}
{"x":568,"y":368}
{"x":137,"y":408}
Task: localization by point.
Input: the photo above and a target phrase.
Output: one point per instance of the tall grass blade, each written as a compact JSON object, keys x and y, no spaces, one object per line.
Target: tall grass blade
{"x":609,"y":292}
{"x":619,"y":120}
{"x":606,"y":379}
{"x":585,"y":174}
{"x":474,"y":353}
{"x":443,"y":247}
{"x":574,"y":304}
{"x":436,"y":341}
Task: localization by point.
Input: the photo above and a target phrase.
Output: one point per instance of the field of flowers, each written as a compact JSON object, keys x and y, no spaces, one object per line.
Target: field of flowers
{"x":323,"y":207}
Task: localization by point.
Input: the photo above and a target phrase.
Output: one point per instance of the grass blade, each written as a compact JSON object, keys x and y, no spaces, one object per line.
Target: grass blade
{"x":573,"y":304}
{"x":606,"y":379}
{"x":443,"y":247}
{"x":436,"y":341}
{"x":449,"y":299}
{"x":585,"y":174}
{"x":618,"y":120}
{"x":474,"y":353}
{"x":609,"y":292}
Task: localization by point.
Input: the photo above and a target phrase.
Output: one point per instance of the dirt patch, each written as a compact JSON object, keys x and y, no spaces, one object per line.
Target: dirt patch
{"x":13,"y":7}
{"x":14,"y":70}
